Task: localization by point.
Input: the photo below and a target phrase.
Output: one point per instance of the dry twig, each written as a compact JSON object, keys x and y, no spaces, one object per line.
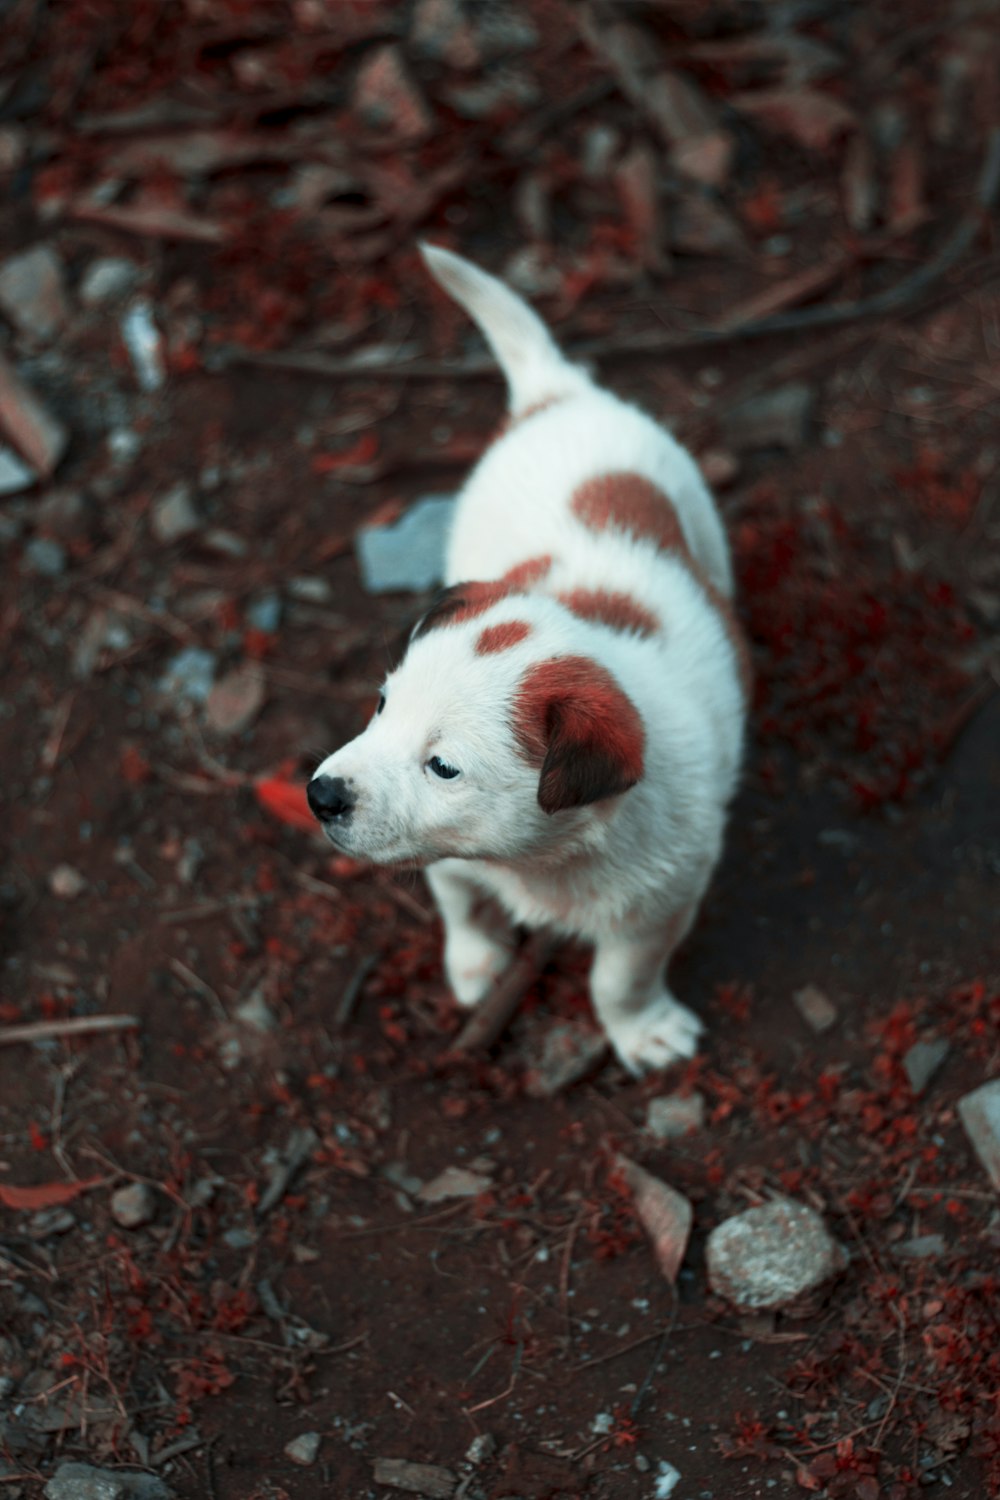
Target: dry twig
{"x":491,"y":1019}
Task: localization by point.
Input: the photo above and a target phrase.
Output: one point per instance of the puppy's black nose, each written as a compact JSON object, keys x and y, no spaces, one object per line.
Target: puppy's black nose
{"x":328,"y":797}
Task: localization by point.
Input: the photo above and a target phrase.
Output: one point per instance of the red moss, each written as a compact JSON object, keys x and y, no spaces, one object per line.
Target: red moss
{"x":617,"y":611}
{"x":573,"y":720}
{"x":501,"y":637}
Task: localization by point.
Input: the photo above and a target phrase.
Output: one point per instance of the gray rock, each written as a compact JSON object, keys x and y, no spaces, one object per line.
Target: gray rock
{"x":236,"y":700}
{"x":45,"y":557}
{"x":32,"y":293}
{"x":921,"y":1247}
{"x":776,"y":419}
{"x":264,"y":613}
{"x":770,"y":1256}
{"x":673,"y":1116}
{"x":66,"y":882}
{"x":189,"y":676}
{"x":15,"y":476}
{"x":134,"y":1205}
{"x":386,"y":97}
{"x":142,"y":340}
{"x":304,"y":1449}
{"x":815,"y":1007}
{"x":73,"y":1481}
{"x":111,"y":278}
{"x":310,"y":590}
{"x":410,"y":554}
{"x":569,"y":1050}
{"x":922,"y":1062}
{"x":980,"y":1114}
{"x":174,"y":515}
{"x":255,"y":1011}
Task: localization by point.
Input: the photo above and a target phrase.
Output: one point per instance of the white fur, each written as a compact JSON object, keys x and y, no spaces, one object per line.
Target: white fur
{"x":627,"y":873}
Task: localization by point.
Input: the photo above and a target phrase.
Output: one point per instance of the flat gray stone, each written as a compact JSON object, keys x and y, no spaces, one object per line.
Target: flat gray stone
{"x":670,"y":1117}
{"x":32,"y":293}
{"x":174,"y":515}
{"x":980,"y":1114}
{"x":110,"y":278}
{"x":134,"y":1205}
{"x":304,"y":1449}
{"x":772,"y":1255}
{"x":815,"y":1007}
{"x":189,"y":676}
{"x":922,"y":1062}
{"x":73,"y":1481}
{"x":408,"y":555}
{"x":15,"y":476}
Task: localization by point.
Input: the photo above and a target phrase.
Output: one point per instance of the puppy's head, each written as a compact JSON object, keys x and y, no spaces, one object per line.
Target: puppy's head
{"x":493,"y":739}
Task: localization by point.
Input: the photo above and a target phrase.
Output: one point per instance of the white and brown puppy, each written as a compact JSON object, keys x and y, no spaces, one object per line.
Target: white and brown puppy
{"x":564,"y":732}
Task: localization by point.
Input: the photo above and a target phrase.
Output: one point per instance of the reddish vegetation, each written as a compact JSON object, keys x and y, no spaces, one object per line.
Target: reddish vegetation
{"x":501,"y":637}
{"x":617,"y":611}
{"x":572,"y":719}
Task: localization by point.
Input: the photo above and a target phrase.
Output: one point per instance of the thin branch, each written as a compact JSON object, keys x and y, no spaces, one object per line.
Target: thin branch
{"x":40,"y":1031}
{"x":492,"y":1017}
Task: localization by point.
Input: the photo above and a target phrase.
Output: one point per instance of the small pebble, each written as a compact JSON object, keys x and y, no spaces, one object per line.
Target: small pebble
{"x":481,"y":1448}
{"x":769,"y":1256}
{"x":672,"y":1116}
{"x":142,"y":340}
{"x":174,"y":515}
{"x":922,"y":1061}
{"x":110,"y":278}
{"x":45,"y":557}
{"x":133,"y":1205}
{"x":15,"y":475}
{"x":66,"y":882}
{"x":304,"y":1449}
{"x":815,"y":1007}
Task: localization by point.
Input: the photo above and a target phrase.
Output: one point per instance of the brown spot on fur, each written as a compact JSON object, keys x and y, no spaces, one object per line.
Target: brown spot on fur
{"x":502,"y":637}
{"x":617,"y":611}
{"x":573,"y":720}
{"x":629,"y":503}
{"x":519,"y":579}
{"x":464,"y":601}
{"x":512,"y":420}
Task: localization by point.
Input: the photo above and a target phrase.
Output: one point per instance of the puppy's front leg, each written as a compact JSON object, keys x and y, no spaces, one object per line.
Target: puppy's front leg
{"x":646,"y":1026}
{"x":478,"y":938}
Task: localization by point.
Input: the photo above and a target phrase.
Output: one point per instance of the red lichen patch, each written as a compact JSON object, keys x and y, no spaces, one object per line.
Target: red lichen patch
{"x":501,"y":637}
{"x":573,"y":720}
{"x":617,"y":611}
{"x":629,"y":503}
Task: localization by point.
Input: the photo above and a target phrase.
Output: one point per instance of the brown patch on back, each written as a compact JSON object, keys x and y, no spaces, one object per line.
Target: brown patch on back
{"x":465,"y":601}
{"x":501,"y":637}
{"x":628,"y":502}
{"x":519,"y":579}
{"x":617,"y":611}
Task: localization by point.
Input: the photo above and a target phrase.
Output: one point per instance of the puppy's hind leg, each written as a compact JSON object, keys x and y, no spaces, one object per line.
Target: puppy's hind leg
{"x":647,"y":1027}
{"x":478,"y":938}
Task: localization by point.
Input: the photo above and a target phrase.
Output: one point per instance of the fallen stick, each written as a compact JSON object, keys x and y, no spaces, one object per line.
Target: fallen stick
{"x":40,"y":1031}
{"x":903,"y":294}
{"x":491,"y":1018}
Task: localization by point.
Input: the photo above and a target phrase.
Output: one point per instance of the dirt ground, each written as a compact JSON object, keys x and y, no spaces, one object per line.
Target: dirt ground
{"x":223,"y":1222}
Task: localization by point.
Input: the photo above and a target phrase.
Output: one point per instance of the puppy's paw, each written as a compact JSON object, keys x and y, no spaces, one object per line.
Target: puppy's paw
{"x":473,"y":963}
{"x":655,"y":1037}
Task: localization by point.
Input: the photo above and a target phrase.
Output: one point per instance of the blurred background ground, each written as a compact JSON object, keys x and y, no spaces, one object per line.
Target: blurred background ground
{"x":228,"y":1255}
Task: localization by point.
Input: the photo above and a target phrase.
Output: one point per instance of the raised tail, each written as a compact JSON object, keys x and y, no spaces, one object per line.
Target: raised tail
{"x":535,"y":367}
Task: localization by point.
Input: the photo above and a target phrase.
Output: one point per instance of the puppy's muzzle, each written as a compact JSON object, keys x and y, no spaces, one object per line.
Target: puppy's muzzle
{"x":329,"y":798}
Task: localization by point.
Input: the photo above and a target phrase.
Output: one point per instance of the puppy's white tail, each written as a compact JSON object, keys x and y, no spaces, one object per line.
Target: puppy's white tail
{"x":535,"y":368}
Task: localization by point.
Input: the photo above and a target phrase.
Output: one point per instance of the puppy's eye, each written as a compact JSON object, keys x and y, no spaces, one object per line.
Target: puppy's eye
{"x":381,"y":704}
{"x":441,"y":768}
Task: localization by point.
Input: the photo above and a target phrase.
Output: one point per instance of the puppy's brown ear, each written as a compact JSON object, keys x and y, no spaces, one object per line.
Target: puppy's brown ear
{"x":573,"y":720}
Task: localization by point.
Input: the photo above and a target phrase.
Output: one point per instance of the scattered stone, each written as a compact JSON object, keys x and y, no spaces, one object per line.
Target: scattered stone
{"x":13,"y":147}
{"x":264,"y":613}
{"x":174,"y":515}
{"x":304,"y":1449}
{"x":45,"y":557}
{"x":73,"y":1481}
{"x":36,"y":435}
{"x":706,"y":159}
{"x":386,"y":97}
{"x":66,"y":883}
{"x":811,"y":119}
{"x":225,"y":543}
{"x":110,"y":278}
{"x":701,"y":226}
{"x":504,"y":90}
{"x":441,"y":30}
{"x":236,"y":700}
{"x":32,"y":293}
{"x":980,"y":1114}
{"x":409,"y":554}
{"x":454,"y":1182}
{"x":664,"y":1213}
{"x":719,"y":467}
{"x":815,"y":1007}
{"x":923,"y":1060}
{"x":143,"y":342}
{"x":134,"y":1205}
{"x":255,"y":1011}
{"x":15,"y":476}
{"x":49,"y":1221}
{"x":921,"y":1247}
{"x":189,"y":676}
{"x":776,"y":419}
{"x":310,"y":590}
{"x":431,"y":1480}
{"x":670,"y":1117}
{"x":570,"y":1050}
{"x":481,"y":1449}
{"x":666,"y":1481}
{"x":770,"y":1256}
